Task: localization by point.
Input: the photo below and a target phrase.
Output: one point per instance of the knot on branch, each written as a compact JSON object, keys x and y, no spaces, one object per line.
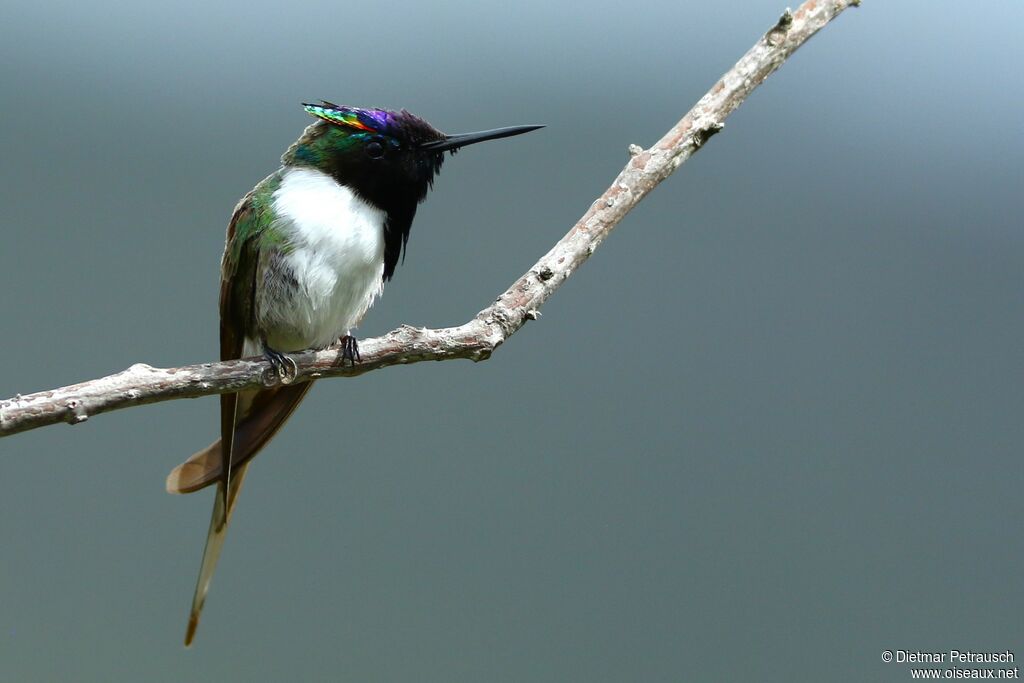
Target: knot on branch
{"x":77,"y":413}
{"x":704,"y":133}
{"x":502,"y":322}
{"x":777,"y":33}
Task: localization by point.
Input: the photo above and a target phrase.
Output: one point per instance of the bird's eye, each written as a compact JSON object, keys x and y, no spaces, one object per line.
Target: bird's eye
{"x":375,"y":150}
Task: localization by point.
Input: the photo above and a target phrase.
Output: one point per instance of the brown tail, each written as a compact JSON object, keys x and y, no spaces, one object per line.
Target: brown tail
{"x":262,"y":414}
{"x":214,"y":542}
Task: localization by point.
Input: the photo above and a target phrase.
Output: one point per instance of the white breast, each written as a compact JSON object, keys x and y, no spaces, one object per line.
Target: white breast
{"x":335,"y":254}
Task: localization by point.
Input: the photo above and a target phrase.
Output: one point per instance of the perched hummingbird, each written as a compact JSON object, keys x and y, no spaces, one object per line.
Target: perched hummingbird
{"x":308,"y":251}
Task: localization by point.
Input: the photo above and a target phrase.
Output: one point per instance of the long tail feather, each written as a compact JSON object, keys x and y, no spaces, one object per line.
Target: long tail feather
{"x":256,"y":417}
{"x":226,"y":495}
{"x":229,"y":421}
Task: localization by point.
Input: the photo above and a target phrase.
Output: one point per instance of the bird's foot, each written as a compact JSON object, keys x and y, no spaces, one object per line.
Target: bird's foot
{"x":349,"y":350}
{"x":283,"y":365}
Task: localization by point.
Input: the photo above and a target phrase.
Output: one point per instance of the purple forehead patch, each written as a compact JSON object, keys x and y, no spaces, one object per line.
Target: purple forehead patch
{"x":401,"y":124}
{"x":376,"y":118}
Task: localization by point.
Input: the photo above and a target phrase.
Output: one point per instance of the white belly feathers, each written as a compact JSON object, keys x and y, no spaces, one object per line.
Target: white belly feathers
{"x":334,"y":263}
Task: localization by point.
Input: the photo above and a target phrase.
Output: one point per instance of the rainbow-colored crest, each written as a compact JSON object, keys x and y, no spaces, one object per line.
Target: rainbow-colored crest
{"x":373,"y":120}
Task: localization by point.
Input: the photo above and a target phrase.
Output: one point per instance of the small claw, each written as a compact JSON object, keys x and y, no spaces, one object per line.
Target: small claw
{"x":285,"y":366}
{"x":292,"y":371}
{"x":350,"y":350}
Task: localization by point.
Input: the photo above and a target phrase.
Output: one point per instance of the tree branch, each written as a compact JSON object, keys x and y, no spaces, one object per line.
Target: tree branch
{"x":478,"y":338}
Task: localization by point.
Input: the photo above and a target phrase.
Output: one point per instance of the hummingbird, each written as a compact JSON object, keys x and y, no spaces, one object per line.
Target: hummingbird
{"x":308,"y":251}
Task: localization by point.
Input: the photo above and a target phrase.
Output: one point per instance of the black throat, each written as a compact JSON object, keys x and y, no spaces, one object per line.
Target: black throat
{"x":397,"y":194}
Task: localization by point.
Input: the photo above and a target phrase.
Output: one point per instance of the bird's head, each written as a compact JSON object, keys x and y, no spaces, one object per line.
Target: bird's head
{"x":380,"y":153}
{"x":389,"y":158}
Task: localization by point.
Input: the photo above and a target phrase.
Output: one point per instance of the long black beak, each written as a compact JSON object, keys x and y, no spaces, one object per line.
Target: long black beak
{"x":455,"y":141}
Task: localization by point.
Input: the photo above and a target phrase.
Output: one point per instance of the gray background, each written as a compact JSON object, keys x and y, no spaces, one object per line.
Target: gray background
{"x":772,"y":428}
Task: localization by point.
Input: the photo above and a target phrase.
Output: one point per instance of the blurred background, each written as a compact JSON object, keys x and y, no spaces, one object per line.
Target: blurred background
{"x":771,"y":428}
